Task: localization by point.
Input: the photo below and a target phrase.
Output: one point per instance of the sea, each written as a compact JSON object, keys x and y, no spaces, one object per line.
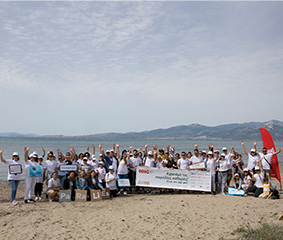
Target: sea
{"x":10,"y":145}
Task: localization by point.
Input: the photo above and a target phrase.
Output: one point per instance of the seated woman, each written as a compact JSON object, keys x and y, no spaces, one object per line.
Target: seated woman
{"x":237,"y":181}
{"x":70,"y":184}
{"x":93,"y":182}
{"x":81,"y":181}
{"x":53,"y":187}
{"x":247,"y":180}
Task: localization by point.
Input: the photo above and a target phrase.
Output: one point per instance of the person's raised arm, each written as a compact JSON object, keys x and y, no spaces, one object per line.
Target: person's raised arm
{"x":2,"y":159}
{"x":100,"y":149}
{"x":114,"y":147}
{"x":279,"y":151}
{"x":243,"y":145}
{"x":93,"y":149}
{"x":43,"y":152}
{"x":118,"y":151}
{"x":26,"y":149}
{"x":154,"y":150}
{"x":59,"y":154}
{"x":129,"y":152}
{"x":237,"y":164}
{"x":87,"y":148}
{"x":255,"y":143}
{"x":196,"y":146}
{"x":145,"y":150}
{"x":168,"y":148}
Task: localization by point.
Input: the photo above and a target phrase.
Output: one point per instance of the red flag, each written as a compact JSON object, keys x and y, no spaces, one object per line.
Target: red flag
{"x":269,"y":145}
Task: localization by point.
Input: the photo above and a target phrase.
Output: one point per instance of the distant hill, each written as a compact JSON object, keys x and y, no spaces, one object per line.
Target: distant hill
{"x":235,"y":131}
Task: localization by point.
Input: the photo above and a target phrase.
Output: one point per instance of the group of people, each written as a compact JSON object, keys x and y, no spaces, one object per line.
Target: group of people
{"x":102,"y":172}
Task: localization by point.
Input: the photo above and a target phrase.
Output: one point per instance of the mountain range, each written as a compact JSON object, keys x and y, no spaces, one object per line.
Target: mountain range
{"x":235,"y":131}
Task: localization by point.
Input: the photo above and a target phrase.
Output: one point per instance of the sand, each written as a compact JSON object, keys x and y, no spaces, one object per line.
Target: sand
{"x":136,"y":216}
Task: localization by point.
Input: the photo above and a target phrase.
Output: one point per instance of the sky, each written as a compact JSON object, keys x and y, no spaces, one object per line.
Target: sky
{"x":77,"y":68}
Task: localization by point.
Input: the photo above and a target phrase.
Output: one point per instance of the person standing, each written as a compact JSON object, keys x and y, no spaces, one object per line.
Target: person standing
{"x":14,"y":179}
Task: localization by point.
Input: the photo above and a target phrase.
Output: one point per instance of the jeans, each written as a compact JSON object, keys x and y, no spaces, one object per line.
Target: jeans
{"x":14,"y":186}
{"x":62,"y":179}
{"x":222,"y":180}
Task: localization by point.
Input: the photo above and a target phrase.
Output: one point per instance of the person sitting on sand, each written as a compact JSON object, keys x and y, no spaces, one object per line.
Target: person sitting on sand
{"x":258,"y":177}
{"x":81,"y":181}
{"x":14,"y":179}
{"x":247,"y":180}
{"x":237,"y":181}
{"x":93,"y":182}
{"x":53,"y":189}
{"x":70,"y":184}
{"x":266,"y":188}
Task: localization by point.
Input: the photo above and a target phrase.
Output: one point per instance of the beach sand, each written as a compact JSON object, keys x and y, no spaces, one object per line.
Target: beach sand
{"x":136,"y":216}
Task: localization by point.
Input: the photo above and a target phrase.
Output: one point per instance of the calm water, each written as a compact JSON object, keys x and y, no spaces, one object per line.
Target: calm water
{"x":10,"y":145}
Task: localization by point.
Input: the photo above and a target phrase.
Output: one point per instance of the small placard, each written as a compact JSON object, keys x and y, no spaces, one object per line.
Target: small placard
{"x":106,"y":193}
{"x":65,"y":196}
{"x":35,"y":171}
{"x":235,"y":191}
{"x":96,"y":195}
{"x":15,"y":169}
{"x":196,"y":166}
{"x":124,"y":182}
{"x":81,"y":195}
{"x":68,"y":168}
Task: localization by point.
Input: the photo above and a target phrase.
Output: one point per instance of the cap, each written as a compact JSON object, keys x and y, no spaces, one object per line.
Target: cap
{"x":223,"y":155}
{"x":203,"y":151}
{"x":112,"y":150}
{"x":101,"y":163}
{"x":32,"y":155}
{"x":100,"y":155}
{"x":40,"y":157}
{"x":85,"y":159}
{"x":224,"y":149}
{"x":236,"y":174}
{"x":111,"y":168}
{"x":93,"y":156}
{"x":256,"y":167}
{"x":149,"y":153}
{"x":253,"y":150}
{"x":246,"y":170}
{"x":217,"y":151}
{"x":164,"y":161}
{"x":15,"y":154}
{"x":35,"y":153}
{"x":93,"y":159}
{"x":107,"y":151}
{"x":210,"y":153}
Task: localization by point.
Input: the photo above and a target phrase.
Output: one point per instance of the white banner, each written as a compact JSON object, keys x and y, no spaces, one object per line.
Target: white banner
{"x":175,"y":179}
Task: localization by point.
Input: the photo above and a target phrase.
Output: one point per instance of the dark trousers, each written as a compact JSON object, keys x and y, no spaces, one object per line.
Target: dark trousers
{"x":38,"y":189}
{"x":255,"y":190}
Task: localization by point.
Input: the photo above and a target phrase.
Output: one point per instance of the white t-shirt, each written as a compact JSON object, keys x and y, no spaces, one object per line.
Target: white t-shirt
{"x":247,"y":179}
{"x":54,"y":183}
{"x":149,"y":162}
{"x":59,"y":172}
{"x":13,"y":176}
{"x":224,"y":164}
{"x":123,"y":168}
{"x":135,"y":161}
{"x":210,"y":165}
{"x":27,"y":164}
{"x":113,"y":184}
{"x":259,"y":180}
{"x":252,"y":161}
{"x":184,"y":163}
{"x":94,"y":164}
{"x":228,"y":157}
{"x":267,"y":157}
{"x":50,"y":166}
{"x":101,"y":173}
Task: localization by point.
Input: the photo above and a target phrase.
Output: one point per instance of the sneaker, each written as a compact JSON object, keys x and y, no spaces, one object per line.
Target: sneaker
{"x":125,"y":193}
{"x":223,"y":194}
{"x":36,"y":199}
{"x":39,"y":198}
{"x":26,"y":201}
{"x":31,"y":200}
{"x":15,"y":202}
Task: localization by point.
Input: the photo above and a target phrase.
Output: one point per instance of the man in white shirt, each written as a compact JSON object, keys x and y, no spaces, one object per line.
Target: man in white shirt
{"x":134,"y":162}
{"x":196,"y":158}
{"x":183,"y":163}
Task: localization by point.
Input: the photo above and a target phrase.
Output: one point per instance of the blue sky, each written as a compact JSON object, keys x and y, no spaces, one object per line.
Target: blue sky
{"x":78,"y":68}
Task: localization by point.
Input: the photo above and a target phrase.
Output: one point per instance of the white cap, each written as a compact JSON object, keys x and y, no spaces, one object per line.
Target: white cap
{"x":35,"y":153}
{"x":131,"y":154}
{"x":246,"y":170}
{"x":40,"y":157}
{"x":85,"y":158}
{"x":216,"y":151}
{"x":100,"y":155}
{"x":210,"y":153}
{"x":101,"y":163}
{"x":164,"y":161}
{"x":203,"y":151}
{"x":256,"y":167}
{"x":111,"y":167}
{"x":32,"y":155}
{"x":149,"y":153}
{"x":223,"y":155}
{"x":15,"y":154}
{"x":224,"y":148}
{"x":107,"y":151}
{"x":112,"y":150}
{"x":253,"y":150}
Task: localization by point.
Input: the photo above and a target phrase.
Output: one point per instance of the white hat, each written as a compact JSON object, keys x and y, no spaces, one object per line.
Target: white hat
{"x":223,"y":155}
{"x":253,"y":150}
{"x":107,"y":151}
{"x":246,"y":170}
{"x":256,"y":167}
{"x":32,"y":155}
{"x":217,"y":151}
{"x":131,"y":154}
{"x":15,"y":154}
{"x":111,"y":167}
{"x":149,"y":153}
{"x":40,"y":157}
{"x":203,"y":151}
{"x":93,"y":159}
{"x":85,"y":158}
{"x":112,"y":150}
{"x":100,"y":155}
{"x":209,"y":153}
{"x":101,"y":163}
{"x":164,"y":161}
{"x":93,"y":156}
{"x":35,"y":153}
{"x":224,"y":149}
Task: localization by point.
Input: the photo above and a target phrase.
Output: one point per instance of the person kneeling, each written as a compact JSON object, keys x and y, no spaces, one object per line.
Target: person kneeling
{"x":53,"y":187}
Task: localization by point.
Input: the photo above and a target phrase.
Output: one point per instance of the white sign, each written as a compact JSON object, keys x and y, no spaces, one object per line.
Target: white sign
{"x":15,"y":169}
{"x":124,"y":182}
{"x":175,"y":179}
{"x":199,"y":165}
{"x":68,"y":168}
{"x":235,"y":191}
